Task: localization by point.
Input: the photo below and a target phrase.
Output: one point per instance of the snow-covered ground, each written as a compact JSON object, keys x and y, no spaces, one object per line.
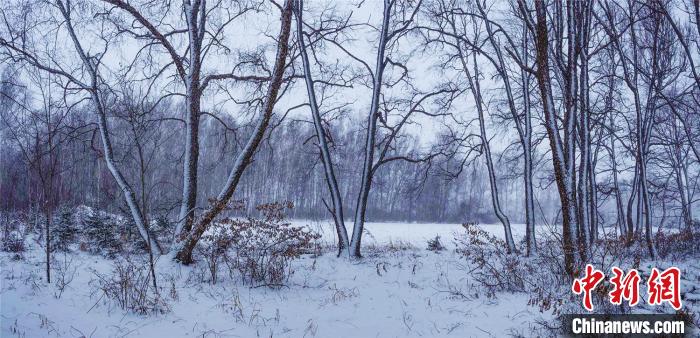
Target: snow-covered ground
{"x":417,"y":234}
{"x":391,"y":293}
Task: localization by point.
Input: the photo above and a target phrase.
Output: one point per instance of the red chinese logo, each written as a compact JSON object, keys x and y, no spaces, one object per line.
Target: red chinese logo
{"x":625,"y":287}
{"x":586,"y":284}
{"x":665,"y":287}
{"x":661,"y":286}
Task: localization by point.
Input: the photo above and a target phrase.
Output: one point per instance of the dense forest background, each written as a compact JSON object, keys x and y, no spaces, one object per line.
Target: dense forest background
{"x":288,"y":168}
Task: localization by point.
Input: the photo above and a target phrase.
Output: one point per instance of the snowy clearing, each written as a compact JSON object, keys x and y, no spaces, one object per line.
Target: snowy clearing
{"x":393,"y":292}
{"x":399,"y":289}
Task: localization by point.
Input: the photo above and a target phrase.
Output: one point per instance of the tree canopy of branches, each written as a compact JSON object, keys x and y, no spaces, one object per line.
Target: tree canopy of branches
{"x":582,"y":114}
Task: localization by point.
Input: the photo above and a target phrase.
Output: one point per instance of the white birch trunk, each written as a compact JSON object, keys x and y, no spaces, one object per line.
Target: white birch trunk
{"x":328,"y":168}
{"x":124,"y":186}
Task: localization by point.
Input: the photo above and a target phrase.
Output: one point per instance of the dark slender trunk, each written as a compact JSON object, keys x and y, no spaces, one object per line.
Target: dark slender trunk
{"x":368,"y":163}
{"x":48,"y":244}
{"x":560,"y":160}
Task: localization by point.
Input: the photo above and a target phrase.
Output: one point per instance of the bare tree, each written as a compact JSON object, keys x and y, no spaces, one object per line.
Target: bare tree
{"x":40,"y":134}
{"x":562,"y":148}
{"x":326,"y":159}
{"x":183,"y":249}
{"x":203,"y":37}
{"x":457,"y":29}
{"x":17,"y":47}
{"x":395,"y":22}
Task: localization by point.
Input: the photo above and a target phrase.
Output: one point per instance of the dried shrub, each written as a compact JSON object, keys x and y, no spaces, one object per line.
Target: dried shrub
{"x":215,"y":247}
{"x":64,"y":273}
{"x":258,"y":249}
{"x":435,"y":245}
{"x":265,"y":247}
{"x":130,"y":287}
{"x":677,"y":245}
{"x":377,"y":250}
{"x":491,"y":266}
{"x":543,"y":275}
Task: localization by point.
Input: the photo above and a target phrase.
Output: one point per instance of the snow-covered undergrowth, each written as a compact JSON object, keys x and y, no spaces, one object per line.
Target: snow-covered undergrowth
{"x":399,"y":289}
{"x":412,"y":292}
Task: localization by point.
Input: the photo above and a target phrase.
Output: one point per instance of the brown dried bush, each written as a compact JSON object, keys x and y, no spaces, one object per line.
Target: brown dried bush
{"x":258,"y":249}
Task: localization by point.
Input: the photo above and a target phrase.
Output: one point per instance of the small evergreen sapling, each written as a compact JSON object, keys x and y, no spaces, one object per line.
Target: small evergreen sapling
{"x":100,"y":234}
{"x":64,"y":231}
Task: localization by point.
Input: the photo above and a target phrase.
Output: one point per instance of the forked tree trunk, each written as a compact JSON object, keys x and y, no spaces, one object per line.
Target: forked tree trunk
{"x":183,"y":249}
{"x":562,"y":170}
{"x":493,"y":183}
{"x":368,"y":164}
{"x":326,"y":160}
{"x":524,"y":127}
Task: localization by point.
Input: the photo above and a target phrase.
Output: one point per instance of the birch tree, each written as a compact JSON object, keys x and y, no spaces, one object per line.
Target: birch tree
{"x":89,"y":82}
{"x":337,"y":210}
{"x":204,"y":36}
{"x":183,"y":249}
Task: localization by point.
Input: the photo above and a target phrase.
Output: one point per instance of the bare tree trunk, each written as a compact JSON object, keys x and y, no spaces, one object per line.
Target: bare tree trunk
{"x":620,"y":213}
{"x":687,"y":193}
{"x":642,"y":135}
{"x":190,"y":169}
{"x":587,"y":206}
{"x":583,"y":170}
{"x":647,"y":216}
{"x":678,"y":168}
{"x":368,"y":164}
{"x":195,"y":15}
{"x":183,"y":249}
{"x":476,"y":92}
{"x":524,"y":128}
{"x":630,"y":204}
{"x":560,"y":160}
{"x":126,"y":189}
{"x":530,"y":235}
{"x":574,"y":104}
{"x":47,"y":210}
{"x":93,"y":88}
{"x":144,"y":208}
{"x":328,"y":168}
{"x":642,"y":141}
{"x":593,"y":196}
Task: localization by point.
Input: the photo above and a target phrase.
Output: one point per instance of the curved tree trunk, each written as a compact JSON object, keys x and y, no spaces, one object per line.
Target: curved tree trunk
{"x":124,"y":186}
{"x":524,"y":128}
{"x":184,"y":248}
{"x":495,"y":201}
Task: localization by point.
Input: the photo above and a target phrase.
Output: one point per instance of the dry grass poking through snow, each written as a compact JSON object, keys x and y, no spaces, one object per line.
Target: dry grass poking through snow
{"x":400,"y":289}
